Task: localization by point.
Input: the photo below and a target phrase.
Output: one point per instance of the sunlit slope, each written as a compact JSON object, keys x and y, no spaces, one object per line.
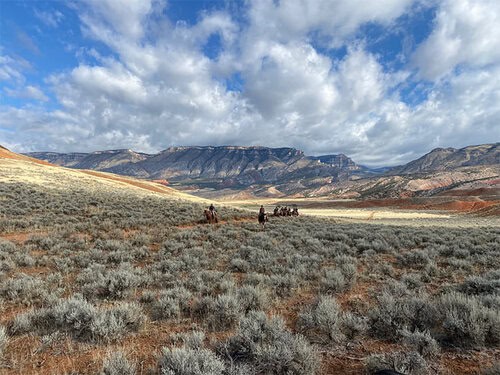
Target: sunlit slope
{"x":7,"y":154}
{"x":22,"y":169}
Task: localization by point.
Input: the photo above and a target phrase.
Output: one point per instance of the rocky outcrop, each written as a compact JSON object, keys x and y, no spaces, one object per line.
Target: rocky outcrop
{"x":339,"y":161}
{"x":447,"y":159}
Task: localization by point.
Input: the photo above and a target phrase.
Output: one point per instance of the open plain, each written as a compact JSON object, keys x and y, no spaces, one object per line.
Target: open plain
{"x":112,"y":275}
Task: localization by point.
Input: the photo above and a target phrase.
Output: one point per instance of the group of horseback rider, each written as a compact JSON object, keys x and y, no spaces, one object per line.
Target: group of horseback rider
{"x":286,"y":211}
{"x":211,"y":213}
{"x":278,"y":211}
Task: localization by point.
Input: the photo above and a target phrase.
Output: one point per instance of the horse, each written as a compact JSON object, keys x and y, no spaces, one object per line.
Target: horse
{"x":211,"y":218}
{"x":262,"y":220}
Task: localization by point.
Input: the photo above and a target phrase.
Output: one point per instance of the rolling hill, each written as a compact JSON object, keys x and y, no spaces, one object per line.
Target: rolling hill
{"x":24,"y":169}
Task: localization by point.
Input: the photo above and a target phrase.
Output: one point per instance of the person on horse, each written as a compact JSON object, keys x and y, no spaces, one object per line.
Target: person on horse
{"x":276,"y":210}
{"x":212,"y":210}
{"x":262,"y":216}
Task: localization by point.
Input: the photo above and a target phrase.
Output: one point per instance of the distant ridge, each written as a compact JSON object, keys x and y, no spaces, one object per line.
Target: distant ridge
{"x":443,"y":159}
{"x":219,"y":166}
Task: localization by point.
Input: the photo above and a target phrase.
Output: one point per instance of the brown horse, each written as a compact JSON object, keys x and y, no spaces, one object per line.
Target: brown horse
{"x":263,"y":219}
{"x":211,"y":218}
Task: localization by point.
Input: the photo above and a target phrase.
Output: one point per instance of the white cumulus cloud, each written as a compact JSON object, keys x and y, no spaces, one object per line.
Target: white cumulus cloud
{"x":157,"y":87}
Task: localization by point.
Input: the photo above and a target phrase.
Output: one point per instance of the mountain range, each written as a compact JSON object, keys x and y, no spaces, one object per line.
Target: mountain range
{"x":226,"y":165}
{"x":281,"y":171}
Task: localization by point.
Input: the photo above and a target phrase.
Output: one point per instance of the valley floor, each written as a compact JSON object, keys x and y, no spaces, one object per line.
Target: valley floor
{"x":390,"y":215}
{"x":101,"y":276}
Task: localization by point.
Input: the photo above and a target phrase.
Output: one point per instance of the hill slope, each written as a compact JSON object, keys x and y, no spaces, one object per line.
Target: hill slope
{"x":23,"y":169}
{"x":446,"y":159}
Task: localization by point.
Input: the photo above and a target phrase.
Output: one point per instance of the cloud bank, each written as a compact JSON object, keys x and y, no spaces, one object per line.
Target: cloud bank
{"x":289,"y":73}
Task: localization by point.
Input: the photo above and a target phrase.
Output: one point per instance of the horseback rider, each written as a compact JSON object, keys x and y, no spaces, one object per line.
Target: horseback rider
{"x":276,"y":210}
{"x":262,"y":216}
{"x":212,"y":210}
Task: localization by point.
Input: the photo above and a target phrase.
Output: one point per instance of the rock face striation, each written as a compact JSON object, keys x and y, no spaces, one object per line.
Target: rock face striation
{"x":225,"y":166}
{"x":339,"y":161}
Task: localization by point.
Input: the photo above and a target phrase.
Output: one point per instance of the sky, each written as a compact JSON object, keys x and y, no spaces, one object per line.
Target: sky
{"x":383,"y":82}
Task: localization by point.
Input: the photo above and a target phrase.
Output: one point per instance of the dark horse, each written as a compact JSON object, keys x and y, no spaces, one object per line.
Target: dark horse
{"x":262,"y":220}
{"x":211,"y":217}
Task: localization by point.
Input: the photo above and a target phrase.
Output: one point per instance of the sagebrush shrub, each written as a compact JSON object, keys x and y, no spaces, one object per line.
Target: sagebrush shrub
{"x":114,"y":323}
{"x":467,"y":323}
{"x":252,"y":298}
{"x":478,"y":285}
{"x":407,"y":363}
{"x":394,"y":314}
{"x":24,"y":289}
{"x":420,"y":342}
{"x":165,"y":308}
{"x":322,"y":320}
{"x":191,"y":340}
{"x":116,"y":363}
{"x":225,"y":312}
{"x":81,"y":320}
{"x":353,"y":325}
{"x":97,"y":281}
{"x":186,"y":361}
{"x":265,"y":345}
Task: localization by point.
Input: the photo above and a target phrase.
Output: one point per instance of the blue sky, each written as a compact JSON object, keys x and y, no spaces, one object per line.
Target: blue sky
{"x":383,"y":82}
